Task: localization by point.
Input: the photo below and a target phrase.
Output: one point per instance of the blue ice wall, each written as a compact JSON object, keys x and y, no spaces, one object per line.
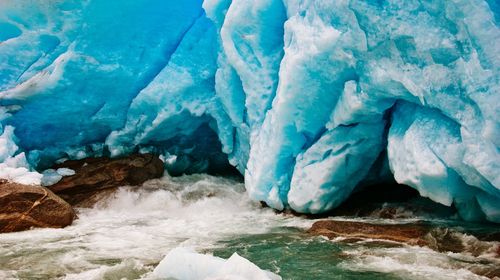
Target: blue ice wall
{"x":301,"y":96}
{"x":76,"y":66}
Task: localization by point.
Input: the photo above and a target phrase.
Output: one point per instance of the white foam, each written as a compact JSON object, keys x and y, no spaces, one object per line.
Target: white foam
{"x":129,"y":233}
{"x":140,"y":224}
{"x":408,"y":262}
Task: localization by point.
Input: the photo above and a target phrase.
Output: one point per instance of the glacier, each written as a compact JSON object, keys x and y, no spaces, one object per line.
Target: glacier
{"x":309,"y":100}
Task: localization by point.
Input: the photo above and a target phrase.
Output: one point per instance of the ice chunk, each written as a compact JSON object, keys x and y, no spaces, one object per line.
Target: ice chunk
{"x":13,"y":165}
{"x":17,"y":169}
{"x":65,"y":171}
{"x":51,"y":176}
{"x":186,"y":264}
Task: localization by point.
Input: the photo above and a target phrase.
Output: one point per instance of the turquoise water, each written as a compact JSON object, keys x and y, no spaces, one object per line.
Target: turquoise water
{"x":295,"y":255}
{"x":127,"y":235}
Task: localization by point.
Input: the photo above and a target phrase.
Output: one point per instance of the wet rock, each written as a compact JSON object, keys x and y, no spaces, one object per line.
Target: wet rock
{"x":96,"y":174}
{"x":23,"y":207}
{"x":411,"y":234}
{"x":91,"y":199}
{"x":441,"y":239}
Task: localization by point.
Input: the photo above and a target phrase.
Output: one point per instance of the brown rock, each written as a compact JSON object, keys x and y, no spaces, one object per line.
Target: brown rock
{"x":491,"y":272}
{"x":23,"y":207}
{"x":440,"y":239}
{"x":89,"y":200}
{"x":405,"y":233}
{"x":96,"y":174}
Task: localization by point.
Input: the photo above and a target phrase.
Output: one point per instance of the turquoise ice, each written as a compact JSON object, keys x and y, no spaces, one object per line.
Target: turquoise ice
{"x":307,"y":99}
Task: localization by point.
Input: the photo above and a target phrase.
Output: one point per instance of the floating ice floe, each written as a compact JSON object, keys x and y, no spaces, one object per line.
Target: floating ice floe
{"x":185,"y":264}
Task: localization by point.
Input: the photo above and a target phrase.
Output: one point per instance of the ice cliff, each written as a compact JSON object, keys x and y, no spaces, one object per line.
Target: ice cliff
{"x":308,"y":99}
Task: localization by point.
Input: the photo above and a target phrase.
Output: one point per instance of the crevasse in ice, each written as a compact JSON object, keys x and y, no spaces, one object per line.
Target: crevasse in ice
{"x":307,"y":99}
